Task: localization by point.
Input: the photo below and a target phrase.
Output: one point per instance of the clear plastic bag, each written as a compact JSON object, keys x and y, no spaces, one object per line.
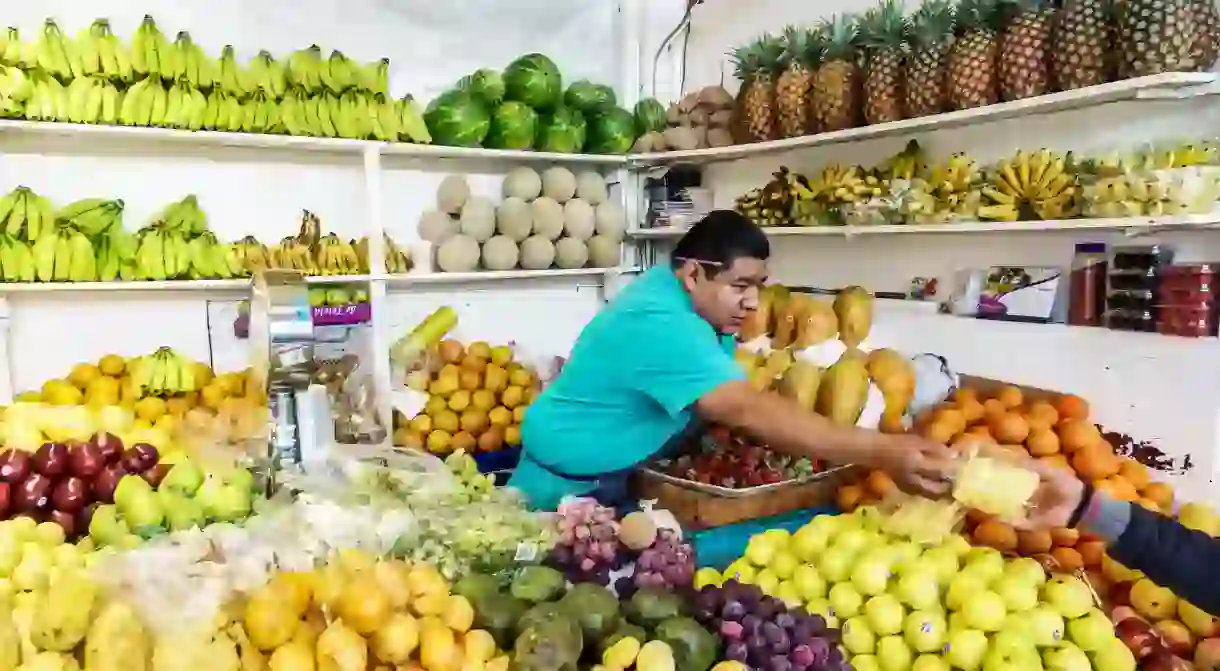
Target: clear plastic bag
{"x":355,"y":409}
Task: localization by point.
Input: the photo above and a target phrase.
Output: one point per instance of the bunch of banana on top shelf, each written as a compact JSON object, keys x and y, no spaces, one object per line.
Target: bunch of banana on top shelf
{"x":1032,"y":186}
{"x":397,"y":259}
{"x":949,"y":192}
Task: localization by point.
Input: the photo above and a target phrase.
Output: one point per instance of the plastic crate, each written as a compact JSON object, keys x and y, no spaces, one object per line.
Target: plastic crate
{"x":719,"y":546}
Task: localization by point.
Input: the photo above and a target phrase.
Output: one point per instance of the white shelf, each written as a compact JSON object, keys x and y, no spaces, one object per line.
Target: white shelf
{"x":242,"y":285}
{"x":1132,"y":224}
{"x":10,"y":129}
{"x":1151,"y":87}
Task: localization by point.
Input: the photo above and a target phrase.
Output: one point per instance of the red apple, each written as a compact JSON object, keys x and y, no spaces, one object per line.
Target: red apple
{"x":14,"y":466}
{"x":1163,"y":660}
{"x":106,"y":482}
{"x":139,"y":458}
{"x":65,"y":520}
{"x":85,"y":460}
{"x":1138,"y":637}
{"x":109,"y":445}
{"x":70,"y":495}
{"x":156,"y":474}
{"x":1207,"y":655}
{"x":34,"y":493}
{"x":84,"y":516}
{"x":6,"y":500}
{"x":51,"y":459}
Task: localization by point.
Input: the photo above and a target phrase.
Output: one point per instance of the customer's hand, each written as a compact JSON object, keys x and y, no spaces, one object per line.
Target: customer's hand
{"x":918,"y":465}
{"x":1057,"y":497}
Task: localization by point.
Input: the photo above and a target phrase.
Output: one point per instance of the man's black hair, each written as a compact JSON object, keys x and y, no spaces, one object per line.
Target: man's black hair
{"x":719,"y":239}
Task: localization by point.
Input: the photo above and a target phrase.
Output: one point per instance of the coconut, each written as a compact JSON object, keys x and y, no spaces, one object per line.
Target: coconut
{"x":451,"y":195}
{"x":578,"y":219}
{"x":537,"y":253}
{"x":603,"y":252}
{"x":515,"y":219}
{"x":436,"y":226}
{"x":500,"y":253}
{"x":548,"y":217}
{"x":571,"y":253}
{"x":458,"y":254}
{"x":523,"y":183}
{"x":610,"y":220}
{"x":558,"y":183}
{"x":591,"y":187}
{"x":478,"y":218}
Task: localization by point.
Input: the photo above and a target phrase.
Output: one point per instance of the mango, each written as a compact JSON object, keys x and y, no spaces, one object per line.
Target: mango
{"x":844,"y":390}
{"x":800,"y":383}
{"x":854,"y":308}
{"x":816,"y":324}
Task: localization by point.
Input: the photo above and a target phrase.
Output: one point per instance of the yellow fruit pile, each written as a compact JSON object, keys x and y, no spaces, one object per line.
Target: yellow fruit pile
{"x":477,"y":400}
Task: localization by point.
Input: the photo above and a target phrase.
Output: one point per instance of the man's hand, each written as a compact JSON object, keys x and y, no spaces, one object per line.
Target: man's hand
{"x":918,"y":465}
{"x":1057,"y":497}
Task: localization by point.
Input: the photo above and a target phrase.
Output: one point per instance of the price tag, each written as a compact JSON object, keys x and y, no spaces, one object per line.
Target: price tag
{"x":526,"y":552}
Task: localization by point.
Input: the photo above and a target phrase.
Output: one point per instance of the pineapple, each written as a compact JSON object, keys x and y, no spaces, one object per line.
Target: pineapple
{"x":756,"y":65}
{"x":1207,"y":35}
{"x":931,"y":36}
{"x":1024,"y":50}
{"x":1156,"y":36}
{"x":836,"y":84}
{"x":802,"y":52}
{"x":1082,"y":44}
{"x":883,"y":35}
{"x":972,"y":60}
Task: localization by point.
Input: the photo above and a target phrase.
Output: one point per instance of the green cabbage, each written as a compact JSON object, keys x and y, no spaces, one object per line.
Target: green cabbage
{"x":534,"y":80}
{"x":649,"y":116}
{"x":485,"y":85}
{"x":513,"y":126}
{"x":612,"y":131}
{"x":457,"y":119}
{"x":587,"y":97}
{"x":563,"y":131}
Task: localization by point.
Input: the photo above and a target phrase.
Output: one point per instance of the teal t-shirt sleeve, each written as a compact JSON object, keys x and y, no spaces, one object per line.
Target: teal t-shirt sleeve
{"x":679,"y":359}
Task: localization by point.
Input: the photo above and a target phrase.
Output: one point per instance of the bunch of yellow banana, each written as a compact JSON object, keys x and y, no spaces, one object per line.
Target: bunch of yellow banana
{"x":252,"y":254}
{"x":291,"y":254}
{"x":13,"y":51}
{"x":906,"y":164}
{"x":48,"y":99}
{"x":162,"y":255}
{"x":268,"y":75}
{"x":15,"y":88}
{"x":152,"y":55}
{"x":839,"y":184}
{"x":116,"y":256}
{"x":1041,"y":185}
{"x":92,"y":216}
{"x":1180,"y":156}
{"x":102,"y":53}
{"x":63,"y":254}
{"x":183,"y":216}
{"x":55,"y":54}
{"x":199,"y":71}
{"x":16,"y":260}
{"x":780,"y":202}
{"x":336,"y":257}
{"x":25,"y":214}
{"x":93,"y":99}
{"x":397,"y":260}
{"x":163,"y":373}
{"x":955,"y":185}
{"x":212,"y":259}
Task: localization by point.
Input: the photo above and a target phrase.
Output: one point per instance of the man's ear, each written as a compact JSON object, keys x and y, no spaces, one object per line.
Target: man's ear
{"x":689,"y":273}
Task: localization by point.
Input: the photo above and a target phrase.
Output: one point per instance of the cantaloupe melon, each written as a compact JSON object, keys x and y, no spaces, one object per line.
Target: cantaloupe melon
{"x":558,"y":183}
{"x":458,"y":254}
{"x":571,"y":253}
{"x":452,"y":193}
{"x":548,"y":217}
{"x":436,"y":226}
{"x":610,"y":220}
{"x":523,"y":183}
{"x":478,"y":218}
{"x":591,"y":187}
{"x":604,"y":252}
{"x":578,"y":219}
{"x":537,"y":253}
{"x":500,"y":253}
{"x":515,"y":219}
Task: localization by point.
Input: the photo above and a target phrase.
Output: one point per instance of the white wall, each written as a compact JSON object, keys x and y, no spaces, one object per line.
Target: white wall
{"x":1154,"y":388}
{"x":262,"y":193}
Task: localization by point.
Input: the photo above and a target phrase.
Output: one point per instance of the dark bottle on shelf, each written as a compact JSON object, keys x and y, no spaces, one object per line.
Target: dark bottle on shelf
{"x":1087,"y":285}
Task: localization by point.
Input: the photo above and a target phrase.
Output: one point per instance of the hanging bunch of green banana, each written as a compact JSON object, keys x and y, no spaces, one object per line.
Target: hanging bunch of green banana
{"x":26,"y":215}
{"x":152,"y":55}
{"x":16,"y":260}
{"x":64,"y":254}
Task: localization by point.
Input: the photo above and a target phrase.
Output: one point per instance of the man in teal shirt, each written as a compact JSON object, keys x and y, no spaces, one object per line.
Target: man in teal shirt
{"x":659,"y":357}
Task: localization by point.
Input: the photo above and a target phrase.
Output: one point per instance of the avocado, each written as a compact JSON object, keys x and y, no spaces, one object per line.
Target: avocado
{"x":594,"y":607}
{"x":537,"y":584}
{"x":650,"y":605}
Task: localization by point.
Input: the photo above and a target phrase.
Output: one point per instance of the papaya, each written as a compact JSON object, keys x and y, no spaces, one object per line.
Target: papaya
{"x":816,"y":324}
{"x":778,"y":362}
{"x":844,"y":390}
{"x":800,"y":384}
{"x":786,"y":319}
{"x":854,"y":309}
{"x":758,"y":323}
{"x":779,"y":296}
{"x":895,"y":377}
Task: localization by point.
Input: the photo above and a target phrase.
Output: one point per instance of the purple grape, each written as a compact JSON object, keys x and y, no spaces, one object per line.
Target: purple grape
{"x":766,"y":608}
{"x":779,"y":663}
{"x":752,"y":624}
{"x":624,"y":587}
{"x":785,"y":620}
{"x":730,"y":586}
{"x":731,"y":630}
{"x":733,"y":610}
{"x":817,"y":623}
{"x":820,"y":650}
{"x":758,"y":657}
{"x":562,"y":555}
{"x":834,"y":658}
{"x":704,"y":615}
{"x":709,"y":597}
{"x":757,"y":642}
{"x":737,"y":651}
{"x":772,"y":630}
{"x":602,"y":576}
{"x":802,"y":655}
{"x":780,"y":643}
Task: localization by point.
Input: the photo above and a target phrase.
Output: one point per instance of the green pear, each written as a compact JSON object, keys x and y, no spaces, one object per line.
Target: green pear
{"x":223,"y":502}
{"x":317,"y":297}
{"x":184,"y":477}
{"x":181,"y":512}
{"x":130,"y":487}
{"x":106,"y":527}
{"x":240,"y":478}
{"x":143,"y":512}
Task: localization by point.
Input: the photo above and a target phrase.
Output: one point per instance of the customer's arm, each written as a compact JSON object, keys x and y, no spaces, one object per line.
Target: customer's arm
{"x":1170,"y":554}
